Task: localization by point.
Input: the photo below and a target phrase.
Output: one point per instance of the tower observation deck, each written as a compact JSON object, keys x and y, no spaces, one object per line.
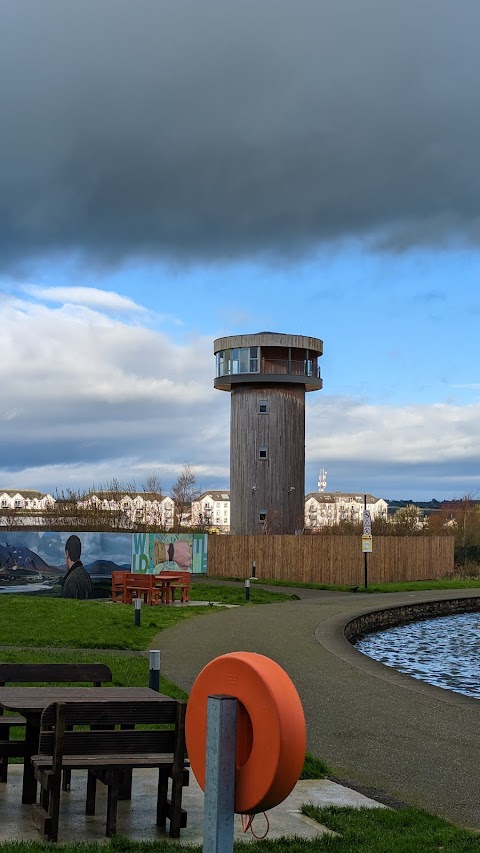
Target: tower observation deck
{"x":267,"y":375}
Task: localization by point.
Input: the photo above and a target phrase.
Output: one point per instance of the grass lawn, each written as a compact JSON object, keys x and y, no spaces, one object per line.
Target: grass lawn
{"x":39,"y":621}
{"x":403,"y":586}
{"x":415,"y":586}
{"x":234,"y":594}
{"x":382,"y":830}
{"x":127,"y":671}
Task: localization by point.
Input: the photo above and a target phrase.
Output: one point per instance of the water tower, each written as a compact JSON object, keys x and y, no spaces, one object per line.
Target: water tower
{"x":267,"y":375}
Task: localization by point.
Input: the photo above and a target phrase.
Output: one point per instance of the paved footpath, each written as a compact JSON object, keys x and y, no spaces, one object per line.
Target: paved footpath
{"x":379,"y":729}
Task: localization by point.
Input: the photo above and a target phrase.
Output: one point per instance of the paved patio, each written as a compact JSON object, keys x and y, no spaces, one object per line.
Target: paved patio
{"x":136,"y":819}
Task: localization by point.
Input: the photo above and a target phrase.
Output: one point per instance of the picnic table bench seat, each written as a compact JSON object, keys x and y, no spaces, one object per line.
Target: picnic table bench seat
{"x":109,"y":753}
{"x":35,"y":673}
{"x":180,"y":584}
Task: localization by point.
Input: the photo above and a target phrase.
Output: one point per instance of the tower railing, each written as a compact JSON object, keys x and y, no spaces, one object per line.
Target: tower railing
{"x":277,"y":366}
{"x":285,"y":367}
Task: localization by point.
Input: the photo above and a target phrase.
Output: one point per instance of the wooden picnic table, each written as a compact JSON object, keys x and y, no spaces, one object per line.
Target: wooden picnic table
{"x":32,"y":701}
{"x":152,"y":588}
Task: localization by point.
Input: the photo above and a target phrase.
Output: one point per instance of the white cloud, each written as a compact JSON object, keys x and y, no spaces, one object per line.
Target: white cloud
{"x":87,"y":296}
{"x":342,"y":428}
{"x":87,"y":397}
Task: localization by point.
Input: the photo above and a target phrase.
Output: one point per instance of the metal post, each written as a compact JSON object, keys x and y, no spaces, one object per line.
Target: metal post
{"x":154,"y":671}
{"x":365,"y":556}
{"x":247,"y":589}
{"x":254,"y":570}
{"x":137,"y":605}
{"x":220,"y":774}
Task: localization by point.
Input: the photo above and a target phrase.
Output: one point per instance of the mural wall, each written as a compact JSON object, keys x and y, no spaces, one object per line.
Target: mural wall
{"x":156,"y":552}
{"x":35,"y":560}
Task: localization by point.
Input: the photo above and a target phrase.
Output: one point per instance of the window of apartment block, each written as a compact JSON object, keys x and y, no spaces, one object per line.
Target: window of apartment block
{"x":262,"y":453}
{"x":263,"y":407}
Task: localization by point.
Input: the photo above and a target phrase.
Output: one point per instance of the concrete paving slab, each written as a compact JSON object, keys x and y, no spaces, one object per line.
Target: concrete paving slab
{"x":136,"y":819}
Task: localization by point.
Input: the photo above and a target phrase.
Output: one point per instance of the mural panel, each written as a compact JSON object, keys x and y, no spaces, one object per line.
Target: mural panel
{"x":156,"y":552}
{"x":34,"y":561}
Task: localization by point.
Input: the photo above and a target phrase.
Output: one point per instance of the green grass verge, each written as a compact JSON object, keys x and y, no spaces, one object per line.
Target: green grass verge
{"x":403,"y":586}
{"x":234,"y":594}
{"x":127,"y":671}
{"x":381,"y":830}
{"x":315,"y":768}
{"x":416,"y":586}
{"x":32,"y":621}
{"x":40,"y":621}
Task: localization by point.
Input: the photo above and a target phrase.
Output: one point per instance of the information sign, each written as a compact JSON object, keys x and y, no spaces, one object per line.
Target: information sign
{"x":367,"y":523}
{"x":367,"y":543}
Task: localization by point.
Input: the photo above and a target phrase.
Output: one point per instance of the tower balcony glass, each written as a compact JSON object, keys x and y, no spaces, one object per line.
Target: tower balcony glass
{"x":262,"y":364}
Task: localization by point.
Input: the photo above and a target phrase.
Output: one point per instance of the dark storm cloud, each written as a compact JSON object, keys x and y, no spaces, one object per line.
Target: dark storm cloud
{"x":218,"y":129}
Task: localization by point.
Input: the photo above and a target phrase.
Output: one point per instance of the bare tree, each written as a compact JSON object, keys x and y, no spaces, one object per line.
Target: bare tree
{"x":98,"y":508}
{"x":153,"y":485}
{"x":184,"y":491}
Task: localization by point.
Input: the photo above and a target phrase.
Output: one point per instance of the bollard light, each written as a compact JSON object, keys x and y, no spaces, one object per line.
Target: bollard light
{"x":154,"y":671}
{"x":137,"y":605}
{"x":247,"y":589}
{"x":254,"y":570}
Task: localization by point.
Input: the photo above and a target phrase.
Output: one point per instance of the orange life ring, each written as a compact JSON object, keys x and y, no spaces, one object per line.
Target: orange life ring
{"x":271,"y":731}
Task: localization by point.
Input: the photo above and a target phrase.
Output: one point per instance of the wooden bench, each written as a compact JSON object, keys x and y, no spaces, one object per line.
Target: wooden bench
{"x":34,"y":673}
{"x":108,"y":753}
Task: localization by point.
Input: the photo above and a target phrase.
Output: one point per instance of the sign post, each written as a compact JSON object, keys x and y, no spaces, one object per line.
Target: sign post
{"x":220,"y":774}
{"x":366,"y":540}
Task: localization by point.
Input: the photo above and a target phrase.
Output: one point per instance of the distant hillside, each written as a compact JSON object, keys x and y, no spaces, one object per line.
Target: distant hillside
{"x":105,"y":567}
{"x":19,"y":555}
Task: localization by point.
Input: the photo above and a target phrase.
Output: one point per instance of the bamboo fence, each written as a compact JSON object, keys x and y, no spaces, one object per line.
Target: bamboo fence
{"x":331,"y":559}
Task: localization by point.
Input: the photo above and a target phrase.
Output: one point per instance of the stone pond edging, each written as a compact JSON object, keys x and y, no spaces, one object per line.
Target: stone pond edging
{"x":391,"y":617}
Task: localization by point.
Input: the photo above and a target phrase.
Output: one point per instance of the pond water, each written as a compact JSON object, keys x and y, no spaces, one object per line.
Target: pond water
{"x":444,"y":651}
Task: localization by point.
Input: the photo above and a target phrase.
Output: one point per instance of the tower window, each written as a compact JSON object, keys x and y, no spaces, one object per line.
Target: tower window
{"x":262,"y":453}
{"x":263,"y":407}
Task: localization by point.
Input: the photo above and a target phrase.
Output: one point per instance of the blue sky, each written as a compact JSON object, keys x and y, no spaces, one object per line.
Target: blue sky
{"x":149,"y":205}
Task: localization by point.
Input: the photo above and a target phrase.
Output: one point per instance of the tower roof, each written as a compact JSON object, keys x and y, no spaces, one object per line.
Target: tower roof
{"x":269,"y":339}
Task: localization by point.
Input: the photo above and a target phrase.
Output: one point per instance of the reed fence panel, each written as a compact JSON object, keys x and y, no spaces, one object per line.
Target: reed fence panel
{"x":331,"y":559}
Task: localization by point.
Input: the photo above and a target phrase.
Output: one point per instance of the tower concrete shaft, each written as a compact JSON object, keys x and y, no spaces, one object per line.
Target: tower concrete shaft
{"x":267,"y":375}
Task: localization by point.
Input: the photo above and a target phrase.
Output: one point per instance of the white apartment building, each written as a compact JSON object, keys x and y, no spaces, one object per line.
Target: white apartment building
{"x":212,"y":509}
{"x":25,"y":499}
{"x":140,"y":508}
{"x":323,"y":509}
